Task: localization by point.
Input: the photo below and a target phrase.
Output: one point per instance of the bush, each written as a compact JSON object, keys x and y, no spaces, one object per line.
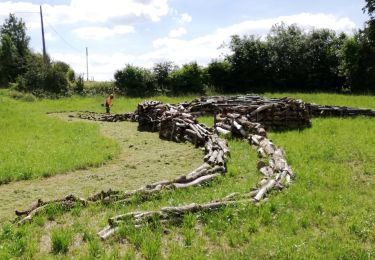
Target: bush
{"x":102,"y":88}
{"x":27,"y":97}
{"x":43,"y":78}
{"x":162,"y":72}
{"x":188,"y":79}
{"x":79,"y":85}
{"x":135,"y":81}
{"x":219,"y":75}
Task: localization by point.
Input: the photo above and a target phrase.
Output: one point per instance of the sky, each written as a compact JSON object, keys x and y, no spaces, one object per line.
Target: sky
{"x":144,"y":32}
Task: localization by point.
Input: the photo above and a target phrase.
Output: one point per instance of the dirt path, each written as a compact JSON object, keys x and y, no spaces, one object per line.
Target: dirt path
{"x":144,"y":158}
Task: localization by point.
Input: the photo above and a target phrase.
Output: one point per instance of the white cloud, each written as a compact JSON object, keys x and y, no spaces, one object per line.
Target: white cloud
{"x":99,"y":33}
{"x":95,"y":11}
{"x":202,"y":49}
{"x":101,"y":66}
{"x":177,"y":32}
{"x":185,"y":18}
{"x":50,"y":37}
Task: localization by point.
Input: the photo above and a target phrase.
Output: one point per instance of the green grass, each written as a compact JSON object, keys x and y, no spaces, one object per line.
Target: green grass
{"x":61,"y":240}
{"x":33,"y":144}
{"x":328,"y":212}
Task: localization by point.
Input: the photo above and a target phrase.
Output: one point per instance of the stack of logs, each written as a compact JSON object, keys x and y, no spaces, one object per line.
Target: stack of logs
{"x":176,"y":126}
{"x":108,"y":117}
{"x":150,"y":114}
{"x":277,"y":114}
{"x":337,"y":111}
{"x":238,"y":125}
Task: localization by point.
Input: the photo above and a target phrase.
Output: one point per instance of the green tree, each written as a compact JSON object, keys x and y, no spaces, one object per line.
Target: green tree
{"x":370,"y":8}
{"x":15,"y":48}
{"x":219,"y":75}
{"x":135,"y":81}
{"x":287,"y":49}
{"x":358,"y":56}
{"x":358,"y":63}
{"x":9,"y":61}
{"x":322,"y":60}
{"x":162,"y":72}
{"x":16,"y":29}
{"x":249,"y":64}
{"x":370,"y":29}
{"x":188,"y":79}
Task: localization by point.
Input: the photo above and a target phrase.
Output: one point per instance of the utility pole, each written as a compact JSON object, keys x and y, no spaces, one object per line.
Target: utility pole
{"x":44,"y":42}
{"x":87,"y":64}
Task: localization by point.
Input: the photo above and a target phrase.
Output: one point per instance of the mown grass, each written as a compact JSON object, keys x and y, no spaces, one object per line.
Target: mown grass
{"x":328,"y":212}
{"x":33,"y":144}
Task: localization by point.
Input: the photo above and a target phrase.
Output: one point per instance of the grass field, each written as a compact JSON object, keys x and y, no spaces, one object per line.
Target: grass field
{"x":328,"y":212}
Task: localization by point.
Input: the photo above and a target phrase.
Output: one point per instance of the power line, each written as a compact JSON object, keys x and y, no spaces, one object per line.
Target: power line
{"x":62,"y":38}
{"x":25,"y":12}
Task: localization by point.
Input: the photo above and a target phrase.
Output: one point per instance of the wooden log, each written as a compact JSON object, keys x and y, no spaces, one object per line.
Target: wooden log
{"x":223,"y":146}
{"x":107,"y":232}
{"x":197,"y":181}
{"x":265,"y":189}
{"x":260,"y":109}
{"x":266,"y":171}
{"x":40,"y":205}
{"x":213,"y":157}
{"x":261,"y":152}
{"x":220,"y":158}
{"x":196,"y":131}
{"x":267,"y":146}
{"x":153,"y":185}
{"x":208,"y":155}
{"x":223,"y":125}
{"x":222,"y":131}
{"x":197,"y":172}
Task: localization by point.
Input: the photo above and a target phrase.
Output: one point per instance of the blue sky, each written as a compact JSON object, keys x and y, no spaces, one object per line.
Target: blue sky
{"x":142,"y":32}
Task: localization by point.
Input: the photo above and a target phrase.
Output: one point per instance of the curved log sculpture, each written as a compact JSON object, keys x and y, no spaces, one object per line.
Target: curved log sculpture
{"x":247,"y":117}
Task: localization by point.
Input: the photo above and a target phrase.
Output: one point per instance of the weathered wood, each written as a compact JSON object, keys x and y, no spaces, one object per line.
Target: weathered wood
{"x":198,"y":181}
{"x":41,"y":205}
{"x":222,"y":131}
{"x":266,"y":188}
{"x":213,"y":157}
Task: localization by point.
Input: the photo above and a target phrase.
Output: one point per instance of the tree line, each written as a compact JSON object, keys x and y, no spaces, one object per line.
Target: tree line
{"x":289,"y":58}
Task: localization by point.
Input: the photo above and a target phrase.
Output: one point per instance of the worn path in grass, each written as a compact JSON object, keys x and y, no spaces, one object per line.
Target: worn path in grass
{"x":144,"y":158}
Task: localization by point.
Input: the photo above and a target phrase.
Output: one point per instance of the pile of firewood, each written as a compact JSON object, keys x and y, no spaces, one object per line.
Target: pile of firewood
{"x":107,"y":117}
{"x":337,"y":111}
{"x":180,"y":127}
{"x":277,"y":114}
{"x":150,"y":114}
{"x":237,"y":125}
{"x":277,"y":174}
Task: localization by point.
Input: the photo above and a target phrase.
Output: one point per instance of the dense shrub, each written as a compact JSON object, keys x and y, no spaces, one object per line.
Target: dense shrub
{"x":135,"y":81}
{"x":41,"y":78}
{"x":79,"y":85}
{"x":188,"y":79}
{"x":27,"y":97}
{"x":162,"y":72}
{"x":219,"y":75}
{"x":102,"y":88}
{"x":358,"y":64}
